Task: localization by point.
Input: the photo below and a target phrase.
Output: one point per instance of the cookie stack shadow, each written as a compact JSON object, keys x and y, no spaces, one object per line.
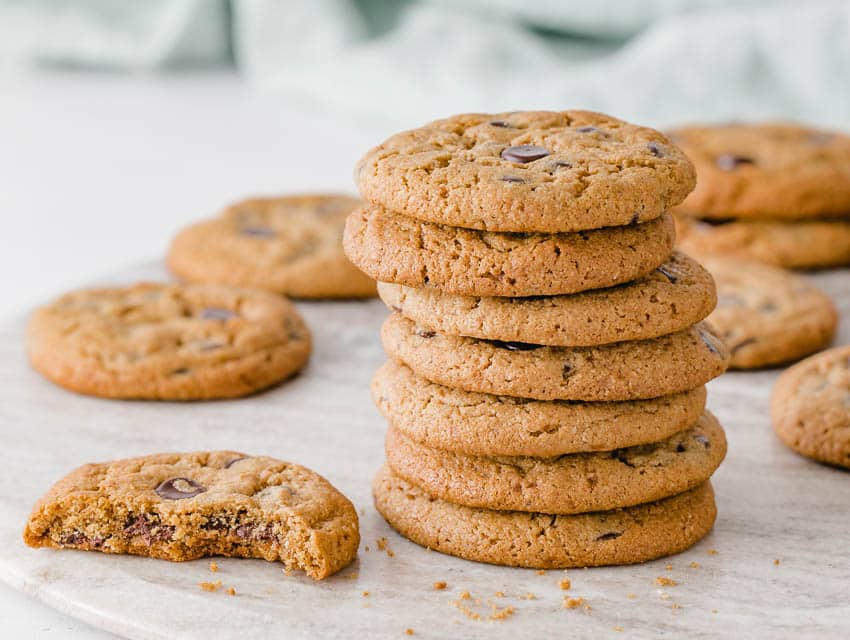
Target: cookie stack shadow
{"x":545,"y":389}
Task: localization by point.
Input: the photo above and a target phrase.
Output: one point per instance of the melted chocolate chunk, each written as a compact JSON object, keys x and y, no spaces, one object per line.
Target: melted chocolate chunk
{"x":702,"y":440}
{"x":425,"y":333}
{"x":730,"y":162}
{"x":562,"y":164}
{"x":217,"y":313}
{"x":589,"y":129}
{"x":500,"y":123}
{"x":514,"y":346}
{"x":230,"y":463}
{"x":611,"y":535}
{"x":257,"y":231}
{"x":710,"y":342}
{"x":524,"y":153}
{"x":148,"y":528}
{"x":179,"y":488}
{"x":667,"y":274}
{"x":655,"y":149}
{"x":512,"y":179}
{"x":680,"y":448}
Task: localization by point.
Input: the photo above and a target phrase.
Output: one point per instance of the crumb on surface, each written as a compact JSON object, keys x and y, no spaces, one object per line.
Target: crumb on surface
{"x":439,"y":586}
{"x":500,"y":594}
{"x":213,"y":567}
{"x":210,"y":586}
{"x":565,"y":584}
{"x":465,"y":595}
{"x":572,"y":603}
{"x":714,"y":611}
{"x":712,"y":552}
{"x":529,"y":596}
{"x":384,"y":545}
{"x":663,"y":581}
{"x":501,"y":614}
{"x":231,"y":591}
{"x":365,"y":594}
{"x":695,"y":565}
{"x":617,"y":628}
{"x":541,"y":572}
{"x":408,"y":632}
{"x":776,"y":562}
{"x":366,"y":548}
{"x":631,"y":596}
{"x":669,"y":567}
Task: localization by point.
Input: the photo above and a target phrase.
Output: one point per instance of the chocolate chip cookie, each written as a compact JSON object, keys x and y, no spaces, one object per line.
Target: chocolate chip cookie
{"x":809,"y":244}
{"x":778,"y":171}
{"x":478,"y":424}
{"x":546,"y":541}
{"x":168,"y":342}
{"x":678,"y":294}
{"x":767,"y":316}
{"x":399,"y":249}
{"x":810,"y":407}
{"x":574,"y":483}
{"x":527,"y":171}
{"x":291,"y":245}
{"x":621,"y":371}
{"x":183,"y":506}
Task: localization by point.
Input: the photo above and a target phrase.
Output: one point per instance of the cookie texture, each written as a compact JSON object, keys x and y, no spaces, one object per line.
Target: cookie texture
{"x":478,"y":424}
{"x":810,"y":407}
{"x":545,"y":541}
{"x":183,"y":506}
{"x":767,"y":316}
{"x":574,"y":483}
{"x":674,"y":296}
{"x":772,"y":170}
{"x":291,"y":245}
{"x":168,"y":342}
{"x":811,"y":244}
{"x":620,"y":371}
{"x":527,"y":171}
{"x":399,"y":249}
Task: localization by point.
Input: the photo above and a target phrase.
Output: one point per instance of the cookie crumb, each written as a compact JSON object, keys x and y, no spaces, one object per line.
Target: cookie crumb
{"x":408,"y":632}
{"x":631,"y":596}
{"x":500,"y":594}
{"x":565,"y":584}
{"x":669,"y":567}
{"x":529,"y":596}
{"x":384,"y":545}
{"x":213,"y":567}
{"x":231,"y":591}
{"x":712,"y":552}
{"x":366,"y":548}
{"x":665,"y":582}
{"x":439,"y":586}
{"x":776,"y":562}
{"x":714,"y":611}
{"x":502,"y":614}
{"x":210,"y":586}
{"x":617,"y":628}
{"x":572,"y":603}
{"x":541,"y":572}
{"x":365,"y":594}
{"x":465,"y":595}
{"x":695,"y":565}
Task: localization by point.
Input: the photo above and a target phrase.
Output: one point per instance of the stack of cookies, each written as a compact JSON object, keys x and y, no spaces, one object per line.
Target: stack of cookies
{"x":545,"y":390}
{"x":776,"y":193}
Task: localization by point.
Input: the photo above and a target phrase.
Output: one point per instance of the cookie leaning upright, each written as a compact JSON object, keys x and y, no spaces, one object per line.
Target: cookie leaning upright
{"x":545,"y":391}
{"x":168,"y":342}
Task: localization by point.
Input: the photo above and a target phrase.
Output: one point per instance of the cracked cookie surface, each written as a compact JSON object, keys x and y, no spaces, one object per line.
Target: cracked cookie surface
{"x":291,"y":245}
{"x":803,"y":244}
{"x":620,"y":371}
{"x":676,"y":295}
{"x":402,"y":250}
{"x":168,"y":342}
{"x":546,"y":541}
{"x":527,"y":171}
{"x":574,"y":483}
{"x":810,"y":407}
{"x":183,"y":506}
{"x":772,"y":171}
{"x":767,"y":316}
{"x":481,"y":424}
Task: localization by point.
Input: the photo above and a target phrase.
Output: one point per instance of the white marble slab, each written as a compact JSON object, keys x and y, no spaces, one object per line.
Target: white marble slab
{"x":772,"y":505}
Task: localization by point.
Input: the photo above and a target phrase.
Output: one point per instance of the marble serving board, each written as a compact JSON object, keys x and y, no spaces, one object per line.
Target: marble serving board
{"x":773,"y":505}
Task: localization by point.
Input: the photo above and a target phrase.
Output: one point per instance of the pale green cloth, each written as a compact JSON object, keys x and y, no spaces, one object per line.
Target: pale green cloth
{"x":653,"y":61}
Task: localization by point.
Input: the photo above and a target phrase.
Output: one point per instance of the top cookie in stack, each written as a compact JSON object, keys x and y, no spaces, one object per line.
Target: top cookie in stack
{"x":547,"y":355}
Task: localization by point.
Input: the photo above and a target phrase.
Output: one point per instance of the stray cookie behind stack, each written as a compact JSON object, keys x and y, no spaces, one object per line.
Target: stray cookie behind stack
{"x":776,"y":193}
{"x":545,"y":390}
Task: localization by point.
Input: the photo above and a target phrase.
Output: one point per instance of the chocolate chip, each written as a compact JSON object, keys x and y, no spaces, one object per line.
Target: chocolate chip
{"x":182,"y":371}
{"x":710,"y":342}
{"x":680,"y":448}
{"x":425,"y":333}
{"x":524,"y":153}
{"x":217,"y":313}
{"x":611,"y":535}
{"x":148,"y":528}
{"x":655,"y":149}
{"x":178,"y":489}
{"x":512,"y":179}
{"x":635,"y":218}
{"x":562,"y":164}
{"x":702,"y":440}
{"x":730,"y":162}
{"x":73,"y":538}
{"x":567,"y":371}
{"x":257,"y":231}
{"x":230,"y":463}
{"x":620,"y":456}
{"x":500,"y":123}
{"x":667,"y":274}
{"x":514,"y":346}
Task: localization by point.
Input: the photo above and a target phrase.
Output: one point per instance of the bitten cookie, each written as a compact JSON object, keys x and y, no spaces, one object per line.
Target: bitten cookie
{"x":678,"y":294}
{"x":768,"y":316}
{"x":544,"y":541}
{"x":168,"y":342}
{"x":771,"y":170}
{"x":395,"y":248}
{"x":478,"y":424}
{"x":621,"y":371}
{"x":575,"y":483}
{"x":810,"y":407}
{"x":291,"y":245}
{"x":527,"y":171}
{"x":811,"y":244}
{"x":183,"y":506}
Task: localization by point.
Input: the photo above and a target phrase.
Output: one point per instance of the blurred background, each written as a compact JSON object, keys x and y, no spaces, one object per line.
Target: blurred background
{"x":121,"y":121}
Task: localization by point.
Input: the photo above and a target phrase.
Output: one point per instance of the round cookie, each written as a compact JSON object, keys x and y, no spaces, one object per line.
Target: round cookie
{"x":544,"y":541}
{"x":575,"y":483}
{"x":678,"y":294}
{"x":291,"y":245}
{"x":767,"y":316}
{"x":479,"y":424}
{"x":168,"y":342}
{"x":621,"y":371}
{"x":773,"y":170}
{"x":811,"y":244}
{"x":810,"y":407}
{"x":395,"y":248}
{"x":527,"y":171}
